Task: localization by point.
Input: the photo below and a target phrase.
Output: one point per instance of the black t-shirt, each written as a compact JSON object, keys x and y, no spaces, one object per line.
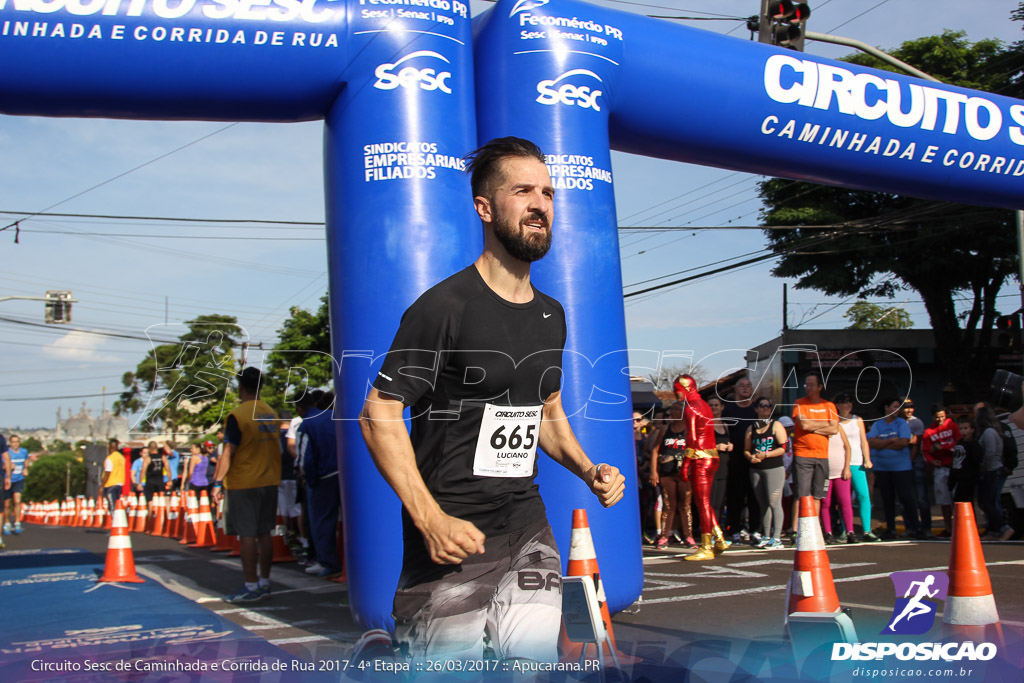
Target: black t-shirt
{"x":459,"y":347}
{"x":155,"y":472}
{"x":738,"y":420}
{"x":762,"y":442}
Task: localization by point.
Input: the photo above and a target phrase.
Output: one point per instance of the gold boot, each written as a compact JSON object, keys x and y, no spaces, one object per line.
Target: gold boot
{"x":705,"y":551}
{"x":720,"y":543}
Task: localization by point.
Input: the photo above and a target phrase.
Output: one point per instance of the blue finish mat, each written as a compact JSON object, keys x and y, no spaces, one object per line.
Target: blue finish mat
{"x":58,"y":623}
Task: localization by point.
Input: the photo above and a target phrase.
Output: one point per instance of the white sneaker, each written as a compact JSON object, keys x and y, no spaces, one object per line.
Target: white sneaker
{"x":314,"y":568}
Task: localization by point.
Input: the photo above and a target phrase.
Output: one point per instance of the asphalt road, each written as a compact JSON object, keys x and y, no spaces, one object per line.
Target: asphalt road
{"x":738,"y":597}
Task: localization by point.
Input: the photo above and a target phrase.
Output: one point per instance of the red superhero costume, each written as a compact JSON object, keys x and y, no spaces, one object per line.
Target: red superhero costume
{"x":700,"y":465}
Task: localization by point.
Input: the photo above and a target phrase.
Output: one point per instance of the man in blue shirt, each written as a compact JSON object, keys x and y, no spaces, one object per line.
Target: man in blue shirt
{"x":889,"y":439}
{"x":137,"y":476}
{"x":16,"y":461}
{"x":173,"y":465}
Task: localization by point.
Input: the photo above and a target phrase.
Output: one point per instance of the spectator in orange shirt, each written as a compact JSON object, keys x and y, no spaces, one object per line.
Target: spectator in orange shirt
{"x":816,"y":420}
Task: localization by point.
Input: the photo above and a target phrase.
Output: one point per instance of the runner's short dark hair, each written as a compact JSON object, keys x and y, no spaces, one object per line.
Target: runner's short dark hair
{"x":483,"y":162}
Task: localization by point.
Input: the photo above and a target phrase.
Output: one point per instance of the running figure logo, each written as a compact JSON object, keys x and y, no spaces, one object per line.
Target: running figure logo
{"x":914,"y":612}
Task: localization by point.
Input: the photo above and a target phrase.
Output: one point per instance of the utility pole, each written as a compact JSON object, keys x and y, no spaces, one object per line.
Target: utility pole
{"x":785,"y":308}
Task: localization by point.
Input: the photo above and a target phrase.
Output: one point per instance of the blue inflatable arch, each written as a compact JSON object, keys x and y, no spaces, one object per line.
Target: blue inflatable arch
{"x":404,"y":95}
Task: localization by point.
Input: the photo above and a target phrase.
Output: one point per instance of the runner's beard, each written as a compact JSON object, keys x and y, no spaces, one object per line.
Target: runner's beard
{"x":521,"y":242}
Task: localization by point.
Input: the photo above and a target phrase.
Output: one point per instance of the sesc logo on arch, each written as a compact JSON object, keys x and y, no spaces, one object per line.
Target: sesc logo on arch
{"x":574,"y":88}
{"x":420,"y":76}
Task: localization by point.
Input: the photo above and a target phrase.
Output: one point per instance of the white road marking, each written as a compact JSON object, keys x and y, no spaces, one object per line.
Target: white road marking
{"x":304,"y":639}
{"x":767,"y":589}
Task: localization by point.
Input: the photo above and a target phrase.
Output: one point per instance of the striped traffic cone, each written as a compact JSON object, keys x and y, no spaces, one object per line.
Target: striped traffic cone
{"x":204,"y":524}
{"x":970,"y":612}
{"x":813,"y":617}
{"x":96,"y":508}
{"x":583,"y":562}
{"x":120,"y":564}
{"x":171,"y":529}
{"x":76,"y":520}
{"x":191,"y":512}
{"x":811,"y":588}
{"x":91,"y":511}
{"x":141,"y":516}
{"x":224,"y":542}
{"x":102,"y":517}
{"x":159,"y":515}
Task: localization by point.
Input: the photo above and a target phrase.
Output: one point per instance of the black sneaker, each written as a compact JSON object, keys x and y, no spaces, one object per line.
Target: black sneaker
{"x":852,"y":538}
{"x":888,"y":535}
{"x":921,"y":535}
{"x":829,"y":539}
{"x":870,"y":537}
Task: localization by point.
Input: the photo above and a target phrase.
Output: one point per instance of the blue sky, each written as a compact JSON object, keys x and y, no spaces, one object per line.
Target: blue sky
{"x":274,"y":172}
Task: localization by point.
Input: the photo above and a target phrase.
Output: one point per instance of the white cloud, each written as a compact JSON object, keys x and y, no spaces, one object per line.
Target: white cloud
{"x":79,"y":346}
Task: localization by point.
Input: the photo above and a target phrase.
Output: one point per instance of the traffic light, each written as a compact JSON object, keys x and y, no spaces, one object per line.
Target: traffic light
{"x":782,"y":23}
{"x":1008,"y":330}
{"x":58,"y":306}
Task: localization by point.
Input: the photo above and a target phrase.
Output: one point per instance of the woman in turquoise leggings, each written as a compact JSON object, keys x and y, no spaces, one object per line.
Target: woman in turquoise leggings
{"x":860,"y":462}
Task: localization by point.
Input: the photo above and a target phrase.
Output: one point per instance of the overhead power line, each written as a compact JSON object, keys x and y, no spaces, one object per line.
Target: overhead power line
{"x":173,"y":219}
{"x":53,"y":398}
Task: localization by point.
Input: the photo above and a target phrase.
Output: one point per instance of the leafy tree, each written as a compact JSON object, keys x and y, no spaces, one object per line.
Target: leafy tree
{"x":185,"y":384}
{"x":48,"y":477}
{"x":877,"y":244}
{"x":32,"y":444}
{"x":864,"y":315}
{"x":302,"y":356}
{"x":59,"y":446}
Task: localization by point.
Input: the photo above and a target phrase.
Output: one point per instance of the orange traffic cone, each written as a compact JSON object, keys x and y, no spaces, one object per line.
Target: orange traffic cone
{"x":970,"y":612}
{"x":108,"y":516}
{"x":236,"y":546}
{"x":96,"y":509}
{"x":141,"y":516}
{"x":159,"y":515}
{"x":171,"y":529}
{"x":811,"y":588}
{"x":281,"y":551}
{"x":583,"y":562}
{"x":120,"y":564}
{"x":204,"y":525}
{"x":224,"y":542}
{"x":191,"y":512}
{"x":100,"y":513}
{"x":76,"y":520}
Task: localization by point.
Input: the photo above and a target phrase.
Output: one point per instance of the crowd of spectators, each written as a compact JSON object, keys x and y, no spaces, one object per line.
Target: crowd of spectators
{"x":267,"y":470}
{"x":906,"y":465}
